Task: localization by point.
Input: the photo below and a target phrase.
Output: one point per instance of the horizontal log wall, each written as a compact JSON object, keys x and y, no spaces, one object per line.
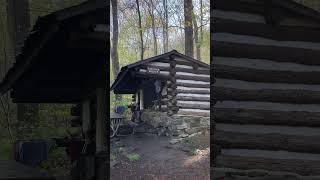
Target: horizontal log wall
{"x":275,"y":142}
{"x":296,"y":96}
{"x":190,"y":85}
{"x":302,"y":167}
{"x":268,"y":110}
{"x":261,"y":75}
{"x":266,"y":117}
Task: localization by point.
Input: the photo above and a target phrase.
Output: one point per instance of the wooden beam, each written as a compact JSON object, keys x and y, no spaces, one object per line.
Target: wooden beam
{"x":86,"y":117}
{"x":193,"y":85}
{"x":269,"y":95}
{"x":205,"y":79}
{"x":266,"y":117}
{"x":193,"y":112}
{"x":279,"y":54}
{"x":178,"y":69}
{"x":194,"y":91}
{"x":193,"y":105}
{"x":280,"y":33}
{"x":249,"y":6}
{"x":158,"y":76}
{"x":193,"y":98}
{"x":260,"y":75}
{"x":101,"y":134}
{"x":292,"y":143}
{"x":302,"y":167}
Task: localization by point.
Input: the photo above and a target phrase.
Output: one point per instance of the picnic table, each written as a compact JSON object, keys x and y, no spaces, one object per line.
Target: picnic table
{"x":115,"y":121}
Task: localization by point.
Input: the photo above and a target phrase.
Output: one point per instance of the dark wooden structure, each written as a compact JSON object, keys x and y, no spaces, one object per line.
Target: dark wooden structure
{"x":266,"y":65}
{"x":183,"y":81}
{"x":64,"y":61}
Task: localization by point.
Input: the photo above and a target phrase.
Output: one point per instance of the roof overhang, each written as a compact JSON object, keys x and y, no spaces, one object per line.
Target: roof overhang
{"x":63,"y":58}
{"x":128,"y":82}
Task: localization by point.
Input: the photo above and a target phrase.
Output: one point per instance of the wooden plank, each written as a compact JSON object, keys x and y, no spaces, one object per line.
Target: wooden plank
{"x":237,"y":16}
{"x":193,"y":105}
{"x":193,"y":85}
{"x":260,"y":75}
{"x":194,"y":112}
{"x":193,"y":98}
{"x":178,"y":69}
{"x":178,"y":76}
{"x":193,"y":90}
{"x":266,"y":117}
{"x":302,"y":167}
{"x":279,"y":54}
{"x":269,"y":106}
{"x":205,"y":79}
{"x":249,"y":6}
{"x":269,"y":95}
{"x":269,"y":129}
{"x":101,"y":120}
{"x":260,"y":41}
{"x":292,"y":143}
{"x":281,"y":33}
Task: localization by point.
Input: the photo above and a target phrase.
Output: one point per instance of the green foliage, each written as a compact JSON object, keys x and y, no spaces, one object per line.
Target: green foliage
{"x":133,"y":157}
{"x":194,"y":152}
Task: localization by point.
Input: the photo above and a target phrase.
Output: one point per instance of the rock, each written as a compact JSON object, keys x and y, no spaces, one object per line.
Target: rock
{"x":175,"y":141}
{"x":183,"y":135}
{"x":193,"y":130}
{"x":205,"y":121}
{"x":182,"y":126}
{"x":194,"y":134}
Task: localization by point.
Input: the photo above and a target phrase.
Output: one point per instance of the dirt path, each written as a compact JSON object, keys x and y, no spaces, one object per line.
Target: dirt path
{"x":152,"y":157}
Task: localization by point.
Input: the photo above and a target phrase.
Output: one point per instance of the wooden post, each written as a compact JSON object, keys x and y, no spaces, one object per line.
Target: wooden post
{"x":171,"y":90}
{"x":101,"y":160}
{"x":101,"y":120}
{"x":86,"y":121}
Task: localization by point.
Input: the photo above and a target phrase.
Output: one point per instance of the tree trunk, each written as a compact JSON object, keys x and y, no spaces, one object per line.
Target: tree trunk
{"x":165,"y":26}
{"x":196,"y":37}
{"x":201,"y":29}
{"x":18,"y":28}
{"x":140,"y":30}
{"x":115,"y":37}
{"x":188,"y":30}
{"x":154,"y":33}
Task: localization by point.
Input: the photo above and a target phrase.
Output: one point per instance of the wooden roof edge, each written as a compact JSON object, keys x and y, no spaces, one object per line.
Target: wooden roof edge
{"x":126,"y":68}
{"x":167,"y":54}
{"x":290,"y":5}
{"x":298,"y":8}
{"x":49,"y":24}
{"x":20,"y":66}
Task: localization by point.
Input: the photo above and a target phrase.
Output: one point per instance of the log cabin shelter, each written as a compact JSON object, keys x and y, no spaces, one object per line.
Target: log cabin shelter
{"x":265,"y":60}
{"x":170,"y":82}
{"x":64,"y":61}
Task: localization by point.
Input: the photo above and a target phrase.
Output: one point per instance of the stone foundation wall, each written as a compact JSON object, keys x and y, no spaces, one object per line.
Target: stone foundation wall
{"x":177,"y":125}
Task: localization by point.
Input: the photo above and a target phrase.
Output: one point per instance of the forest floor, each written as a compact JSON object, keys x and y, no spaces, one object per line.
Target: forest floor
{"x":143,"y":156}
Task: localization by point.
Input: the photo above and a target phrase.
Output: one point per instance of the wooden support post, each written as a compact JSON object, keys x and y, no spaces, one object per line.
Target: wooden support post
{"x":101,"y":141}
{"x":85,"y":115}
{"x":101,"y":120}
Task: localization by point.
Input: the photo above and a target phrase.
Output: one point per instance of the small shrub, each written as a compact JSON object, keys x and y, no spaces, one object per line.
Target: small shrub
{"x":187,"y":141}
{"x":133,"y":157}
{"x":194,"y":152}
